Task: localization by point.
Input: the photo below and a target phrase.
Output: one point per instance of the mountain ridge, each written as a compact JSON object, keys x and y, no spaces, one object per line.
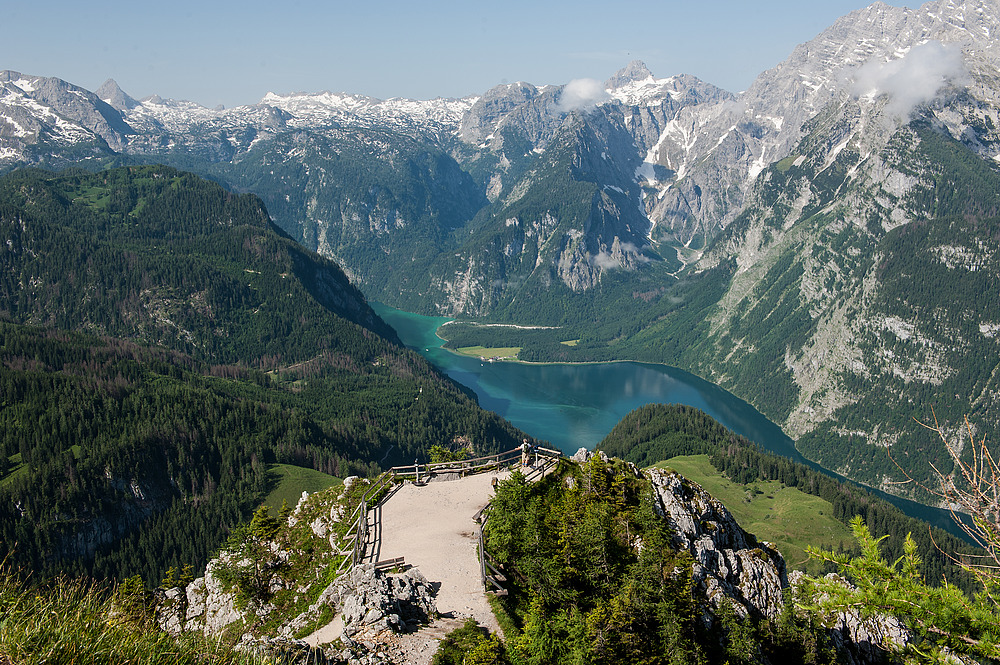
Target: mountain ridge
{"x":163,"y":346}
{"x":618,"y":210}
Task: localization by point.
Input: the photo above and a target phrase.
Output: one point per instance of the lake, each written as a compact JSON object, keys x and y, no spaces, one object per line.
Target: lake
{"x":574,"y":406}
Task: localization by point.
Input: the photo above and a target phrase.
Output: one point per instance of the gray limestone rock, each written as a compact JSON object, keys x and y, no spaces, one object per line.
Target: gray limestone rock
{"x":729,"y":563}
{"x":372,"y":599}
{"x":219,"y":605}
{"x":372,"y":602}
{"x":171,"y":609}
{"x":76,"y":104}
{"x":633,"y":71}
{"x":204,"y":605}
{"x":861,"y":639}
{"x":115,"y":96}
{"x":480,"y":120}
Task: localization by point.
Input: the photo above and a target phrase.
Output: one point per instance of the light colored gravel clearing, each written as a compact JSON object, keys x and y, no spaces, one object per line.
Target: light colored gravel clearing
{"x":431,"y":526}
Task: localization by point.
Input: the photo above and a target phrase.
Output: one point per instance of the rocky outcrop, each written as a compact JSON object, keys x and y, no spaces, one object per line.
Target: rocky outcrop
{"x":480,"y":120}
{"x":372,"y":606}
{"x":861,"y":639}
{"x":633,"y":72}
{"x":204,"y":605}
{"x":63,"y":101}
{"x":374,"y":601}
{"x":117,"y":98}
{"x":370,"y":602}
{"x":362,"y":610}
{"x":729,"y":563}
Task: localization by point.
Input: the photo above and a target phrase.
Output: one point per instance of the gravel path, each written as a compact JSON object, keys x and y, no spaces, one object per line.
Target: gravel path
{"x":431,"y":526}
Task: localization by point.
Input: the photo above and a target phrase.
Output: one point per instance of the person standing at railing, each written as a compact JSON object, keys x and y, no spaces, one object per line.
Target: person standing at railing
{"x":525,"y":453}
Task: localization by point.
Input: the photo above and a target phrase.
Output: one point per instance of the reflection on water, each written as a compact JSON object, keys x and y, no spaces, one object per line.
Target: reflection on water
{"x":574,"y":406}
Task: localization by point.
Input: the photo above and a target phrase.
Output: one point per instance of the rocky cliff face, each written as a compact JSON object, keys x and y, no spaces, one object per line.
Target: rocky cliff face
{"x":480,"y":121}
{"x":42,"y":107}
{"x":720,"y":150}
{"x":875,"y":177}
{"x":566,"y":169}
{"x":115,"y":97}
{"x":732,"y":566}
{"x":729,"y":563}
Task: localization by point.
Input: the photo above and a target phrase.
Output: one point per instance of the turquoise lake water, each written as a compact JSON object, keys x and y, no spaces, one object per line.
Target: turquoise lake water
{"x":574,"y":406}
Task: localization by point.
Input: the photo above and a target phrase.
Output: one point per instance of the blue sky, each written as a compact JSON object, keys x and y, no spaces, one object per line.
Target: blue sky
{"x":233,"y":53}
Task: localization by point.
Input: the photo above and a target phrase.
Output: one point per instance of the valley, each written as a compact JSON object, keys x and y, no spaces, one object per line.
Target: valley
{"x":765,"y":241}
{"x":576,"y":405}
{"x":220,"y":327}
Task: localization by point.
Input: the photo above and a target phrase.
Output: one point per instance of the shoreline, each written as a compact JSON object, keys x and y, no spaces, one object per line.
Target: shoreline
{"x":925,"y":512}
{"x":518,"y":361}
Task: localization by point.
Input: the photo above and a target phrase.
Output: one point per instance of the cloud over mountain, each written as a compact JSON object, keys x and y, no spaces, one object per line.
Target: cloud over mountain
{"x":582,"y":94}
{"x":914,"y":79}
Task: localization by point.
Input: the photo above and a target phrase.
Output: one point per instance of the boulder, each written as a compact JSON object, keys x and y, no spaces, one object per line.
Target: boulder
{"x":859,"y":639}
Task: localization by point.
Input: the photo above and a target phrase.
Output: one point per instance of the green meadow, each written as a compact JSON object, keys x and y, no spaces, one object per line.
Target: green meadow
{"x":291,"y":481}
{"x":785,"y":516}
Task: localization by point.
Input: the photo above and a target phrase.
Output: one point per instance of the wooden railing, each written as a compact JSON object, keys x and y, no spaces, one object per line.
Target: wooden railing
{"x":491,"y":576}
{"x":373,"y":496}
{"x":359,"y":521}
{"x":465,"y":467}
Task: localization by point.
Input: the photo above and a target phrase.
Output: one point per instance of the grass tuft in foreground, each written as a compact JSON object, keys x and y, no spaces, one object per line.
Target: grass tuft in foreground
{"x":68,"y":620}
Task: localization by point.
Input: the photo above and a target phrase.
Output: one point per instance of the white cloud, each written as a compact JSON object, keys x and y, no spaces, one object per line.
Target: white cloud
{"x":634,"y":249}
{"x":914,"y":79}
{"x":605,"y":261}
{"x":613,"y":260}
{"x":582,"y":94}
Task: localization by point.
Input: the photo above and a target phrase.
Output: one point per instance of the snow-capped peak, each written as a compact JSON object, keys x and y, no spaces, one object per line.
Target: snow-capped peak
{"x":318,"y":107}
{"x":648,"y":91}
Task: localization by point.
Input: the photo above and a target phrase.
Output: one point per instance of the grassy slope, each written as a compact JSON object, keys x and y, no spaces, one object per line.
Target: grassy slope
{"x":76,"y":621}
{"x":291,"y":481}
{"x":782,"y":515}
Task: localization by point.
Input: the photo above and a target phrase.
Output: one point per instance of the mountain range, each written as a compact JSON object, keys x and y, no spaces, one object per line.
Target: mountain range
{"x":823,"y":244}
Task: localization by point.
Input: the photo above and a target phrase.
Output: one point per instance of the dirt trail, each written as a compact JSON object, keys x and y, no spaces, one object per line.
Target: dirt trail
{"x":431,"y":526}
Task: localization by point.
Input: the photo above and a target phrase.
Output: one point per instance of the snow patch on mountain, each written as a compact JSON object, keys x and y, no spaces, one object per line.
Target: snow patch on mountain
{"x":324,"y":106}
{"x":27,"y":85}
{"x":647,"y":92}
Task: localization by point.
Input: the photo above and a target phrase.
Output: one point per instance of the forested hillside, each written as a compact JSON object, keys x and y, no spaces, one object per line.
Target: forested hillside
{"x":659,"y":431}
{"x":162,"y":344}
